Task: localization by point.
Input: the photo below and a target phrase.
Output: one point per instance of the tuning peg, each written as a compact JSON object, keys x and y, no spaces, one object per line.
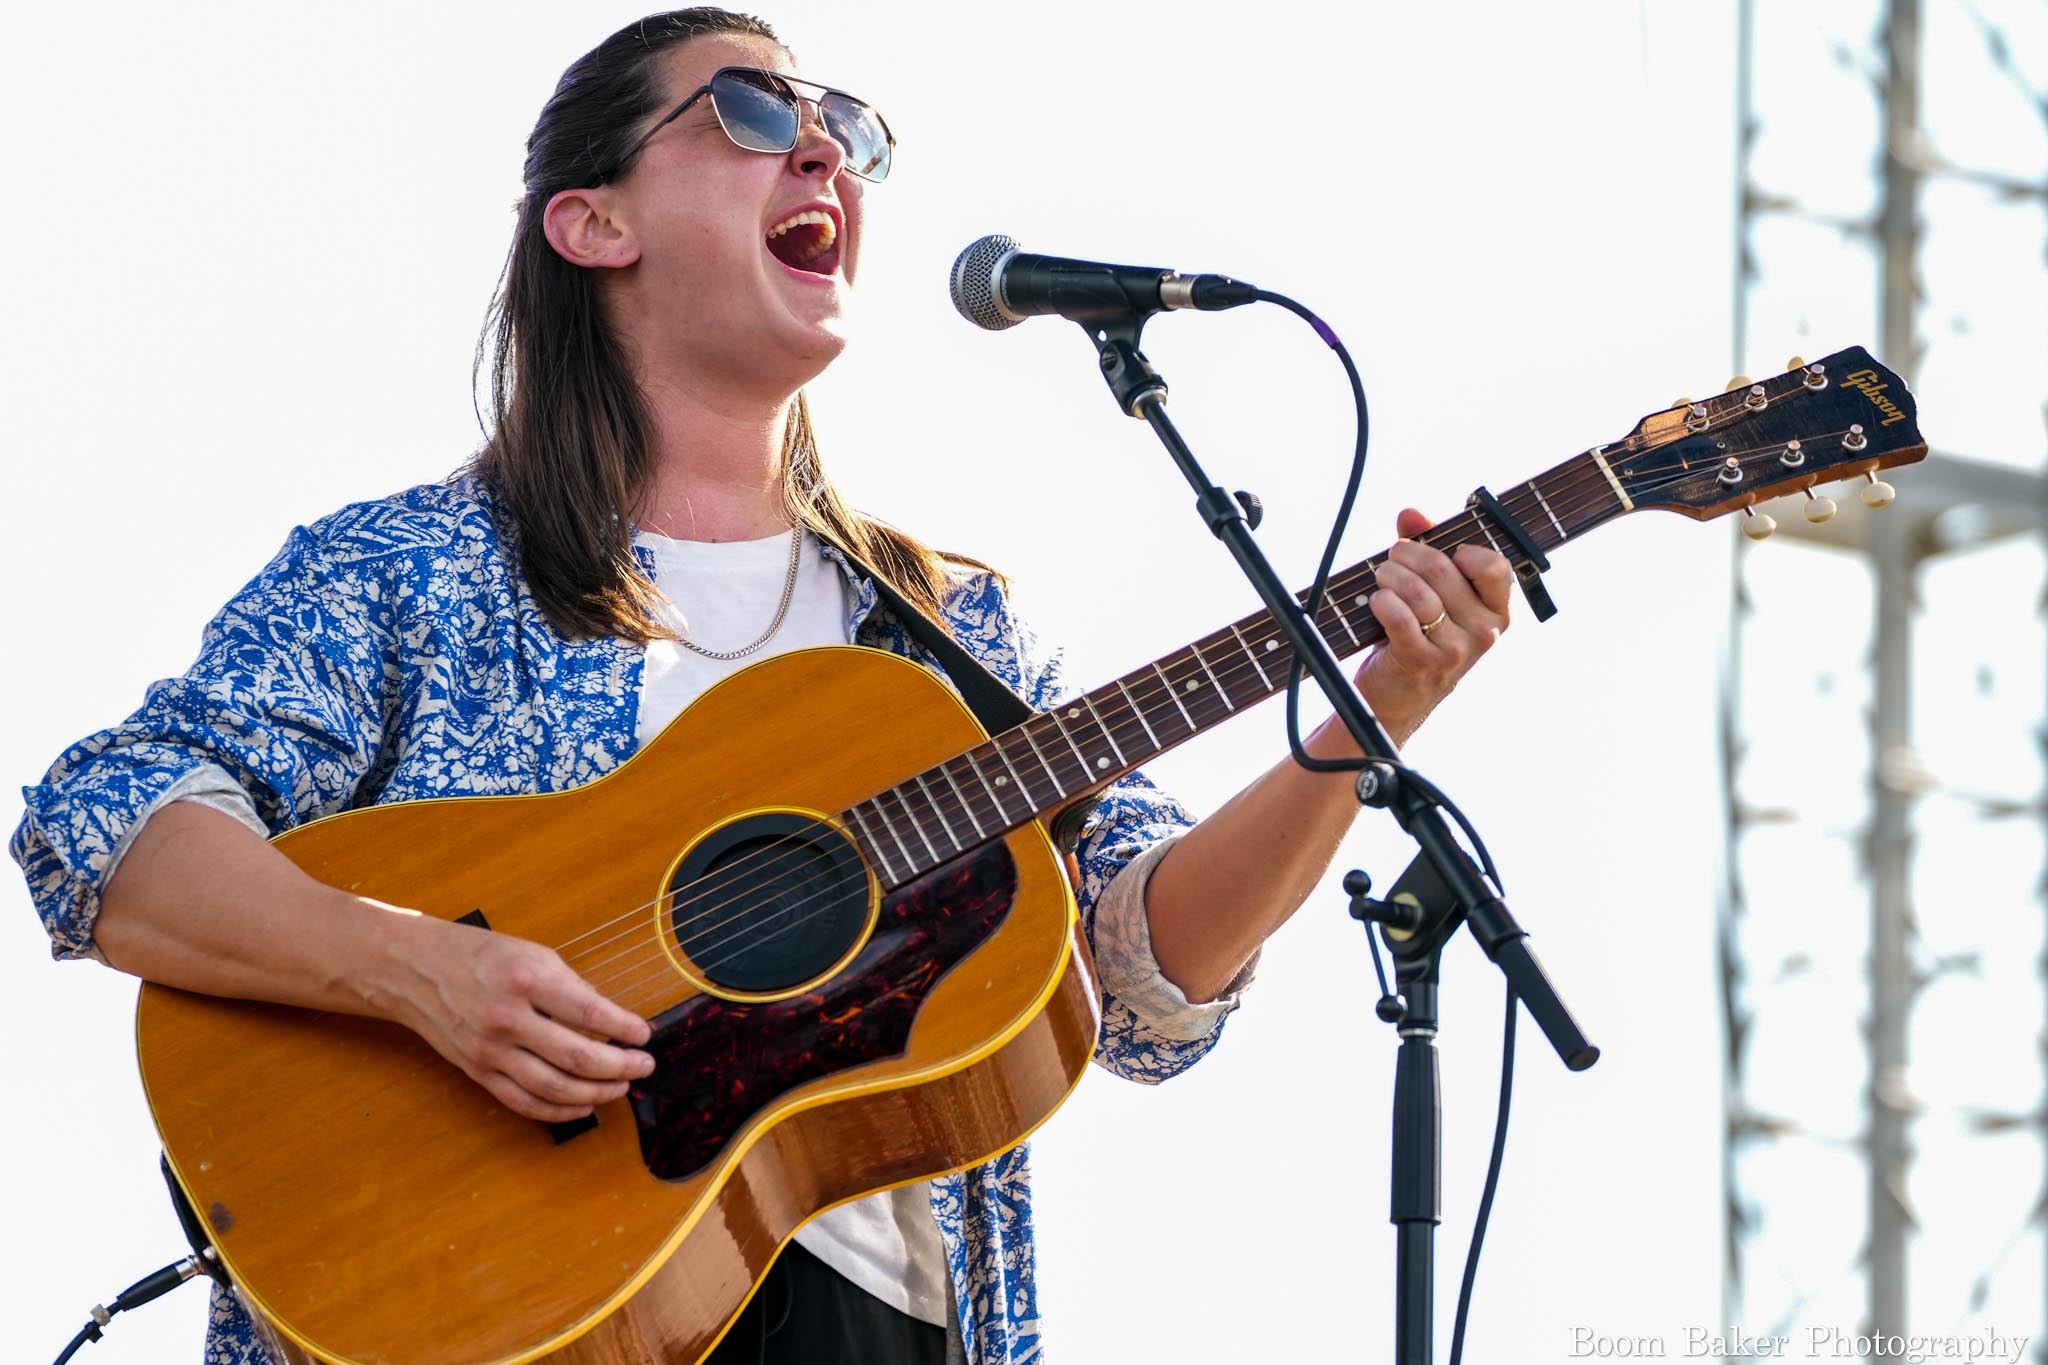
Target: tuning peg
{"x":1681,"y":402}
{"x":1740,"y":381}
{"x":1797,"y":362}
{"x":1757,"y":525}
{"x":1879,"y":493}
{"x":1819,"y":509}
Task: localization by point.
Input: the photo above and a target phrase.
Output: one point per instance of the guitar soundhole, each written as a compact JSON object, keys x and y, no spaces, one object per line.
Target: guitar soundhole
{"x":769,"y":902}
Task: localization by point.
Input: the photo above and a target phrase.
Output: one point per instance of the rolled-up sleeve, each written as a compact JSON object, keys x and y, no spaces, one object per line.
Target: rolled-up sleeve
{"x":286,"y":703}
{"x":1124,"y":960}
{"x":1150,"y":1030}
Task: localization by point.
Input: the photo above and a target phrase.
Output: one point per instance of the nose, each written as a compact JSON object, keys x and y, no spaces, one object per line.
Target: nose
{"x":816,"y":152}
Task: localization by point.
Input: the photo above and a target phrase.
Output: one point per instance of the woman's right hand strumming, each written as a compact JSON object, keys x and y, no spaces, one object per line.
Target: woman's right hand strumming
{"x":518,"y":1021}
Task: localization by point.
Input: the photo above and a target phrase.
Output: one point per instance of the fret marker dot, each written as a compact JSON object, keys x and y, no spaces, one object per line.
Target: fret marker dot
{"x":1102,"y":763}
{"x":1358,"y":601}
{"x":1272,"y":645}
{"x":1073,"y":713}
{"x":1194,"y":686}
{"x":1002,"y":781}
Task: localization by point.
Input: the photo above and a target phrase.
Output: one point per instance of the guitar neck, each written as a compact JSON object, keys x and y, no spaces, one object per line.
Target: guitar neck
{"x":1090,"y":741}
{"x":1843,"y":416}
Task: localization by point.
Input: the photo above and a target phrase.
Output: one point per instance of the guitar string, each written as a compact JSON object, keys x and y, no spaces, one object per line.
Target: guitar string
{"x":1150,"y":694}
{"x":1109,"y":730}
{"x":938,"y":806}
{"x":1570,"y":479}
{"x":707,"y":964}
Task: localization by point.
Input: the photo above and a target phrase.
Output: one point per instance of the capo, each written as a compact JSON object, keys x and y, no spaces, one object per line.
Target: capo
{"x":1528,"y":574}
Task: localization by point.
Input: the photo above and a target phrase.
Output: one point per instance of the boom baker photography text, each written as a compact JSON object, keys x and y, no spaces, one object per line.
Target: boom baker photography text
{"x":1806,"y":1343}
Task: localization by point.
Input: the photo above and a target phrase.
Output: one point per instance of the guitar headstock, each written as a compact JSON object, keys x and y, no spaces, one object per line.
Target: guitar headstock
{"x":1842,"y":416}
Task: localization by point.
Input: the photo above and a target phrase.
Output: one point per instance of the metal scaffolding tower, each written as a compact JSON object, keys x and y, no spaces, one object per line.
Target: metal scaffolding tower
{"x":1949,"y":506}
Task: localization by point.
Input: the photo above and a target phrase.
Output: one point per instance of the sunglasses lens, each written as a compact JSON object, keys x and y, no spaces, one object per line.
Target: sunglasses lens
{"x":859,"y":130}
{"x":757,"y":111}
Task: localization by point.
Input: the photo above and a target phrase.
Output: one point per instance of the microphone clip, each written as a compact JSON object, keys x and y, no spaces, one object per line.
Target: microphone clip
{"x":1125,"y":369}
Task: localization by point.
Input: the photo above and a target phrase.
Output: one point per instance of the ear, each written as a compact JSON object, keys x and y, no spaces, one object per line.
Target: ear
{"x":584,"y":228}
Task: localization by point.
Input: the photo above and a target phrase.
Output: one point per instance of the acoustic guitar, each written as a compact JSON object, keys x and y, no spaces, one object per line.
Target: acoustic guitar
{"x":835,"y":899}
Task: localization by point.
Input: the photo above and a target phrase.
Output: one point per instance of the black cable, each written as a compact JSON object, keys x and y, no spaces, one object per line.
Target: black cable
{"x":1403,"y":773}
{"x":1320,"y":587}
{"x":1500,"y":1144}
{"x":1445,"y":804}
{"x":151,"y":1286}
{"x":90,"y":1332}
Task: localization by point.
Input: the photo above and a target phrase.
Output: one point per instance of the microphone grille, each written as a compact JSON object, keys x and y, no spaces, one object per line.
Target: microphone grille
{"x":974,"y":282}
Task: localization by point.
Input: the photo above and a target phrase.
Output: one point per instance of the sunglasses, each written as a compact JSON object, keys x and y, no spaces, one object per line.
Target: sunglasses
{"x":762,"y":111}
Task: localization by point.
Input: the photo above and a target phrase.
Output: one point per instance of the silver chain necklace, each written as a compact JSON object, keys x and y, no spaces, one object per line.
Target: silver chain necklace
{"x":796,"y":548}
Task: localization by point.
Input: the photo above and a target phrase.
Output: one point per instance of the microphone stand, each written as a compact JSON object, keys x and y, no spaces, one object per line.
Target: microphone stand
{"x":1415,"y":926}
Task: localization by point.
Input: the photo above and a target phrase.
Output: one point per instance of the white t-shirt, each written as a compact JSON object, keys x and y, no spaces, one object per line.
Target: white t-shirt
{"x":725,"y":595}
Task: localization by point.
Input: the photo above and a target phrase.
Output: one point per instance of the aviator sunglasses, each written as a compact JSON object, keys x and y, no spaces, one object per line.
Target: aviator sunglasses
{"x":762,"y":111}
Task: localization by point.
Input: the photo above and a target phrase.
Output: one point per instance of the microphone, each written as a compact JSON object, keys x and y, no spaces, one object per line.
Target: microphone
{"x":995,"y":285}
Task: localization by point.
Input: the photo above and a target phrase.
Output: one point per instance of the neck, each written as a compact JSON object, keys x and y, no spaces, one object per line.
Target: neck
{"x":715,"y":426}
{"x":717,"y":467}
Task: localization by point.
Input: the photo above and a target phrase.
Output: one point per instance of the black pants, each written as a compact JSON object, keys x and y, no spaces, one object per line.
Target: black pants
{"x":806,"y":1313}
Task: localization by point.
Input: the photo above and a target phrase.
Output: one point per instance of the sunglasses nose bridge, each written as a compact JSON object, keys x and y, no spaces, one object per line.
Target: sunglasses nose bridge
{"x":814,"y":139}
{"x":809,"y":112}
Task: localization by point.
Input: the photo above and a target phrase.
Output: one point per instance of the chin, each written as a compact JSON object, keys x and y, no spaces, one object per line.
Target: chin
{"x":813,"y":350}
{"x":826,"y":337}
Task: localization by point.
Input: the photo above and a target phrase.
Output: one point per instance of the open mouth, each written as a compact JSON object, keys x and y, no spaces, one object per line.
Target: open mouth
{"x":806,"y":241}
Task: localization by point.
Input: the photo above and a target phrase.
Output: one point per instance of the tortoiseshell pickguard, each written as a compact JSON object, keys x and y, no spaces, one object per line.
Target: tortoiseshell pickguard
{"x":718,"y":1062}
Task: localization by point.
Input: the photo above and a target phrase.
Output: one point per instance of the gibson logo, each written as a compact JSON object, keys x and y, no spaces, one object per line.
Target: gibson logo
{"x":1866,"y":380}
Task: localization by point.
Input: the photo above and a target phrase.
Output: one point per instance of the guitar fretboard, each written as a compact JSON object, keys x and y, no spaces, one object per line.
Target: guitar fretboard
{"x":1089,"y":741}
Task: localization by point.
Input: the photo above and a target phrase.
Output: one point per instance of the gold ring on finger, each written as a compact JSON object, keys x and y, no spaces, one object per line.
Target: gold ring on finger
{"x":1441,"y":617}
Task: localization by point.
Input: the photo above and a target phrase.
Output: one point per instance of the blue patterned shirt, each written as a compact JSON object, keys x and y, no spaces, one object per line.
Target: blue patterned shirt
{"x":392,"y":652}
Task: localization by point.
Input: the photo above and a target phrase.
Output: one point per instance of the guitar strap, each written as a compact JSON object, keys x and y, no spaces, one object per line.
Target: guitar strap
{"x":987,"y":696}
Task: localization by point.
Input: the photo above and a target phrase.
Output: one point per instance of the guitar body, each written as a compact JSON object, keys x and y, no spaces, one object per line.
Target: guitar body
{"x":375,"y":1205}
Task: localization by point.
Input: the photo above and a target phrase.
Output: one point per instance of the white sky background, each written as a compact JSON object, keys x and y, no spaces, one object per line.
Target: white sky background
{"x":250,"y":250}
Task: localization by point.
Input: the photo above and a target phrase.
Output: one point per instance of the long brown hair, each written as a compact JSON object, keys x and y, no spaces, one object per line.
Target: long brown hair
{"x":567,"y":451}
